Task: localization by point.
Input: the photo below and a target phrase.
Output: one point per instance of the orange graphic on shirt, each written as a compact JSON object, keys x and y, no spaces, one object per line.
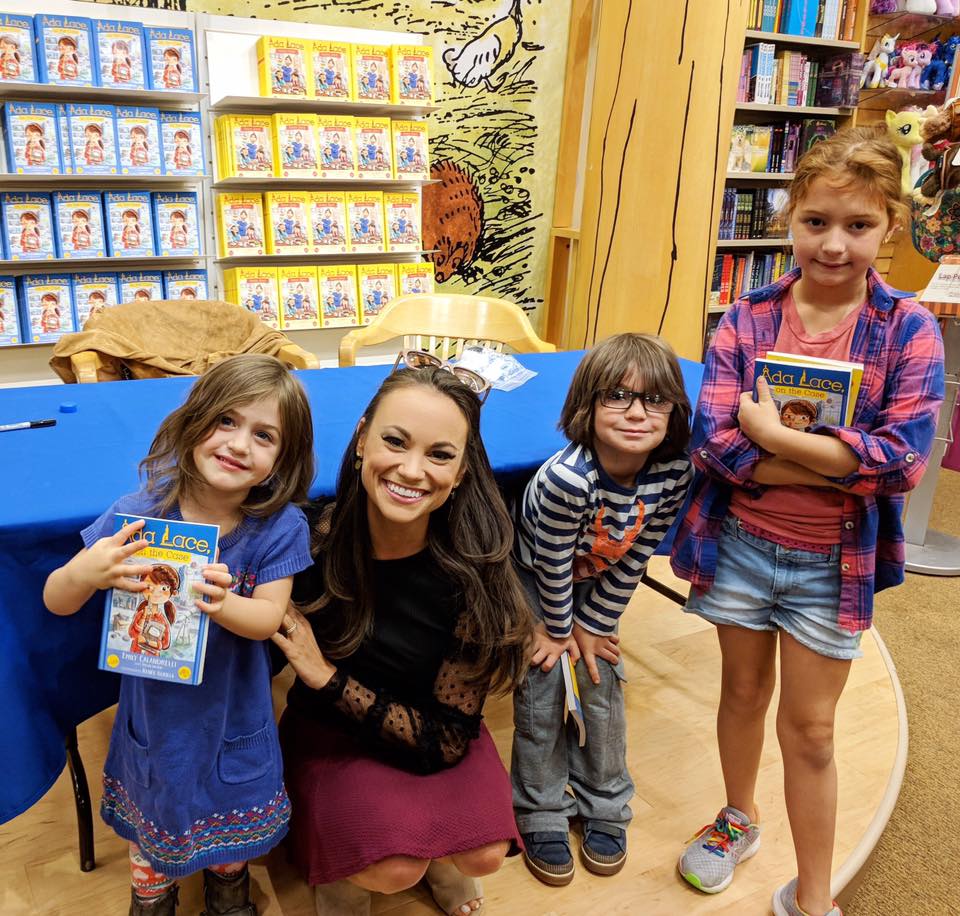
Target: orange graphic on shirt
{"x":605,"y":550}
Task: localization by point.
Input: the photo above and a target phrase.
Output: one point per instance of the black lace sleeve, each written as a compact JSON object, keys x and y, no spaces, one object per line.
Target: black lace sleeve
{"x":423,"y":738}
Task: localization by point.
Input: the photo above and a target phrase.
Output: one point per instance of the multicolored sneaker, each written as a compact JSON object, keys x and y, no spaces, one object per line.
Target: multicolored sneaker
{"x":717,"y":849}
{"x":785,"y":902}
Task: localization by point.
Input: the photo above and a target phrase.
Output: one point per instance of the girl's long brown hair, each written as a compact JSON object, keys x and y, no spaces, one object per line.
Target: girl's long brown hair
{"x":469,"y":537}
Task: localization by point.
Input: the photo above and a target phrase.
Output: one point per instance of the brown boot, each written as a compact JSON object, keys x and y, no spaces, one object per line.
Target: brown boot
{"x":164,"y":905}
{"x":227,"y":894}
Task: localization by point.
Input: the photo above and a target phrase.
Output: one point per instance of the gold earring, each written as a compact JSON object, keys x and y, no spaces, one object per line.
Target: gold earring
{"x":358,"y":463}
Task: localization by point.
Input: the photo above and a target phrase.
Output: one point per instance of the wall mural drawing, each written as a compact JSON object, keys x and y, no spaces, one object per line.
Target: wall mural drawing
{"x":493,"y":141}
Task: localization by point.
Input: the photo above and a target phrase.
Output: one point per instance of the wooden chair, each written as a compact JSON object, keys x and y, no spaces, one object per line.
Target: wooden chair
{"x":443,"y":323}
{"x":170,"y":337}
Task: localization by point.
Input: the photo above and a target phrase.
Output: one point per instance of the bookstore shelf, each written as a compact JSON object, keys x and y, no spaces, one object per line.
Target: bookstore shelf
{"x":895,"y":98}
{"x":716,"y":309}
{"x":72,"y":264}
{"x":907,"y":26}
{"x":801,"y":41}
{"x":64,"y":182}
{"x":338,"y":257}
{"x":755,"y":108}
{"x":323,"y":184}
{"x":760,"y":176}
{"x":46,"y":92}
{"x":244,"y":103}
{"x":754,"y":243}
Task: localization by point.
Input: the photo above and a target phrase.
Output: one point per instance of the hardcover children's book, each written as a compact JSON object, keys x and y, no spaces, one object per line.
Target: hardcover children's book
{"x":335,"y":144}
{"x":332,"y":76}
{"x":171,"y":60}
{"x":10,"y":333}
{"x":338,"y":295}
{"x":240,"y":225}
{"x":371,"y":73}
{"x":365,"y":218}
{"x":93,"y":138}
{"x":185,"y":284}
{"x":140,"y":286}
{"x":63,"y":139}
{"x":288,"y":222}
{"x":410,"y":149}
{"x":402,"y":218}
{"x":65,"y":50}
{"x":377,"y":285}
{"x":181,"y":139}
{"x":138,"y":140}
{"x":176,"y":216}
{"x":328,"y":221}
{"x":129,"y":224}
{"x":160,"y":633}
{"x":28,"y":226}
{"x":283,"y":67}
{"x":374,"y":148}
{"x":16,"y":49}
{"x":256,"y":289}
{"x":120,"y":54}
{"x":48,"y":306}
{"x":78,"y":217}
{"x":295,"y":145}
{"x":809,"y":391}
{"x":32,"y":138}
{"x":411,"y":78}
{"x":92,"y":293}
{"x":299,"y":297}
{"x":245,"y":146}
{"x":572,"y":708}
{"x":413,"y":279}
{"x":814,"y":130}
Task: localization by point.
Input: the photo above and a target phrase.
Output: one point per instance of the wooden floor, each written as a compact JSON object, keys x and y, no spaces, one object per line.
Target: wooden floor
{"x":672,"y":666}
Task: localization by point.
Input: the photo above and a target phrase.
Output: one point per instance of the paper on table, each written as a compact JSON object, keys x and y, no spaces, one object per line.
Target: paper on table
{"x":501,"y":370}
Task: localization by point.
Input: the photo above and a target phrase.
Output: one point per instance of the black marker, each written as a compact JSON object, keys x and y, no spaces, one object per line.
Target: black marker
{"x":28,"y":424}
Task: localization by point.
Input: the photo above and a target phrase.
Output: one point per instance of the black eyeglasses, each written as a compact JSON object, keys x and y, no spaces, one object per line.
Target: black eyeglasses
{"x":623,"y":398}
{"x":420,"y":359}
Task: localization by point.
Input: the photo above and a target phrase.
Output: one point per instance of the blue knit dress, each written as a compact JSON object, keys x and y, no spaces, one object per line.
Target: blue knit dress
{"x":194,"y":774}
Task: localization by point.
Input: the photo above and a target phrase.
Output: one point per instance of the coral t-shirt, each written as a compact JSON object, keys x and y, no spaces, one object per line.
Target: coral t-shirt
{"x":799,"y":516}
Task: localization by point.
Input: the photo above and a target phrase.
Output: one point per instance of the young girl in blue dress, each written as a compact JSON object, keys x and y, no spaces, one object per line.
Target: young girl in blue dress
{"x":193,"y":778}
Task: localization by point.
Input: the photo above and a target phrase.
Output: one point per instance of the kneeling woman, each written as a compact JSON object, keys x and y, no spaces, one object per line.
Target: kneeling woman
{"x":415,"y":614}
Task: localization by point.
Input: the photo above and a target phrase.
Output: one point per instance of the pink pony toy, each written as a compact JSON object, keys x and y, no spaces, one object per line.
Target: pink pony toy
{"x":906,"y":73}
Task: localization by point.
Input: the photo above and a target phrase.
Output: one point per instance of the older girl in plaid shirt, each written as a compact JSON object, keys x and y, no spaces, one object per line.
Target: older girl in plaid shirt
{"x":790,"y":532}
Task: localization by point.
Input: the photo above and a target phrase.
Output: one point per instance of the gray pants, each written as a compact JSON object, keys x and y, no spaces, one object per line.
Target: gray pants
{"x":546,"y":757}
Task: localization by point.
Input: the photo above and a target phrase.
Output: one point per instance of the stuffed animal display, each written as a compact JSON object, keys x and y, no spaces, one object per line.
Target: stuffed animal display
{"x":940,"y":134}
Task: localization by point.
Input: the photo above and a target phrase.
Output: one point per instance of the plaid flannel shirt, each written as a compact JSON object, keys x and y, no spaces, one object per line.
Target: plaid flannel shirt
{"x":898,"y":341}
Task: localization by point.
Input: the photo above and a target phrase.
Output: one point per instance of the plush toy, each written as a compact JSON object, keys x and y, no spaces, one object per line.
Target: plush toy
{"x":880,"y":7}
{"x":878,"y":61}
{"x":948,"y":8}
{"x":905,"y":73}
{"x":933,"y":67}
{"x":940,"y":133}
{"x":904,"y":129}
{"x":924,"y":7}
{"x":937,"y":74}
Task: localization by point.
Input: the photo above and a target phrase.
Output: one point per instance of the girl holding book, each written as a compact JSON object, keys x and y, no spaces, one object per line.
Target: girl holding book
{"x":193,"y":778}
{"x":791,"y":531}
{"x":590,"y":519}
{"x":392,"y":774}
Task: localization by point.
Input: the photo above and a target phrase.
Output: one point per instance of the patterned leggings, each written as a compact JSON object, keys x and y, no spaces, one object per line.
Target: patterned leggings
{"x":149,"y":884}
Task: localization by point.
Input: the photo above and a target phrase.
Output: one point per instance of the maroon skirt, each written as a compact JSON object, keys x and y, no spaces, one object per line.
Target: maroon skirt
{"x":351,"y":809}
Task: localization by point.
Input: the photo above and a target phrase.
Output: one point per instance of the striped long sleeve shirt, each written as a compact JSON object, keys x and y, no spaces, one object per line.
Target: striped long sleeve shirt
{"x":577,"y":523}
{"x":898,"y":341}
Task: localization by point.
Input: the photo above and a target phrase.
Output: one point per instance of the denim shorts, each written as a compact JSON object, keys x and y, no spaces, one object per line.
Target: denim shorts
{"x":762,"y":585}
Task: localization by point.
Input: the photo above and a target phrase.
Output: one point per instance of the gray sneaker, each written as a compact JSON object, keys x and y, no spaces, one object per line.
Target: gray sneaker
{"x":785,"y":902}
{"x":717,"y":849}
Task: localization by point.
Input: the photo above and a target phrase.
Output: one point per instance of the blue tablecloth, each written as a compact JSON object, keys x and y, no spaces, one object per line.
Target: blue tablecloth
{"x":58,"y":479}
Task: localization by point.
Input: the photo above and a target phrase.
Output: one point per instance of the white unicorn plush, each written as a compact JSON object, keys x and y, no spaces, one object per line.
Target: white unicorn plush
{"x":878,"y":61}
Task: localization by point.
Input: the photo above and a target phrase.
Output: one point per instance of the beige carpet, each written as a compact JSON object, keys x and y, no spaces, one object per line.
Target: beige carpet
{"x":914,"y":869}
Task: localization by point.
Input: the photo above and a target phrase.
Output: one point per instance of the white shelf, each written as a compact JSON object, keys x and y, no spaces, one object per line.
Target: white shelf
{"x":338,"y":257}
{"x":62,"y":182}
{"x":801,"y":41}
{"x":55,"y":93}
{"x":760,"y":176}
{"x":323,"y":184}
{"x":245,"y":103}
{"x":754,"y":243}
{"x":61,"y":265}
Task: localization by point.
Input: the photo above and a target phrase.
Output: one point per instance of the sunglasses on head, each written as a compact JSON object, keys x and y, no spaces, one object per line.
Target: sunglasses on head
{"x":420,"y":359}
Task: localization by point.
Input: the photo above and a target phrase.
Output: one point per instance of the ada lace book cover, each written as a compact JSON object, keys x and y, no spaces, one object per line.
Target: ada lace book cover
{"x":159,"y":633}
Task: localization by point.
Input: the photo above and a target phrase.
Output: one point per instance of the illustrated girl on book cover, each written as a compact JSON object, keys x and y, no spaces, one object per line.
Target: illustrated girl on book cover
{"x":143,"y":295}
{"x":365,"y":228}
{"x":30,"y":231}
{"x":798,"y":414}
{"x":68,"y":62}
{"x":139,"y":146}
{"x":9,"y":56}
{"x":402,"y":229}
{"x":80,"y":238}
{"x":49,"y":313}
{"x":179,"y":234}
{"x":130,"y":236}
{"x":172,"y":69}
{"x":93,"y":148}
{"x":182,"y":152}
{"x":121,"y":69}
{"x":326,"y":230}
{"x":286,"y":77}
{"x":187,"y":292}
{"x":34,"y":147}
{"x":330,"y":80}
{"x":415,"y":83}
{"x":149,"y":630}
{"x":96,"y":303}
